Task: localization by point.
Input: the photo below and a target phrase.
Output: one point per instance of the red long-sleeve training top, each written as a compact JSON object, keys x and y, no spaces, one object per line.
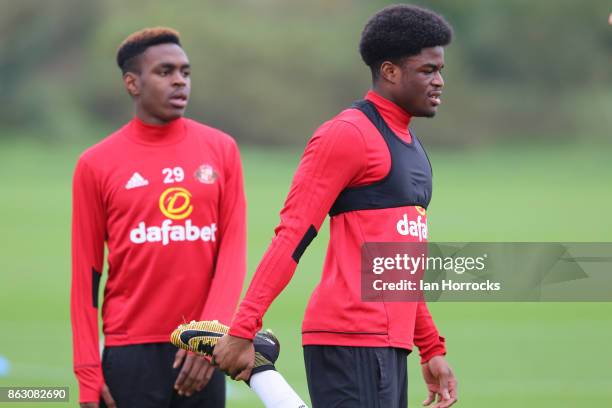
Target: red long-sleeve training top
{"x":169,"y":203}
{"x":346,"y":151}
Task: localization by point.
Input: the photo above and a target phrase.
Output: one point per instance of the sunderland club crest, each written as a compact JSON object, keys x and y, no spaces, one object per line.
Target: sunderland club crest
{"x":206,"y":174}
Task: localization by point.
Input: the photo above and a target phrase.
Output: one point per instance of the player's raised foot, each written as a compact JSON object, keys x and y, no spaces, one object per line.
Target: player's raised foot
{"x":201,"y":338}
{"x":267,"y":349}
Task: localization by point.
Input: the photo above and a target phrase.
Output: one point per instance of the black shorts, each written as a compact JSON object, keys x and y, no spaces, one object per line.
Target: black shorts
{"x":356,"y":377}
{"x":141,"y":376}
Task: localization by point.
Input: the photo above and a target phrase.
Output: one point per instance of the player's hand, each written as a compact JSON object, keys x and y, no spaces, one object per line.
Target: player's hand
{"x":106,"y":397}
{"x":195,"y":373}
{"x":441,"y":382}
{"x":235,"y":356}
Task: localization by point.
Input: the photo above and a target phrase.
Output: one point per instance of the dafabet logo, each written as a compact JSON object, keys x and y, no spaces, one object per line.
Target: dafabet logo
{"x":174,"y":204}
{"x":417,"y":229}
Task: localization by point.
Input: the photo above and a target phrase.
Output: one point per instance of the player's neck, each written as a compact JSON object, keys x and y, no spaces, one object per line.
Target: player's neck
{"x":382,"y":91}
{"x":149,"y":119}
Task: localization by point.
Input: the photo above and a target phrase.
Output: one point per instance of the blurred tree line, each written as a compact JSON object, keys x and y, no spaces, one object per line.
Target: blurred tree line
{"x":270,"y":71}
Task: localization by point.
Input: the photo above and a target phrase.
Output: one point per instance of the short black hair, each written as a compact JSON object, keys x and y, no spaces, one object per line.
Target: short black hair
{"x":138,"y":42}
{"x":400,"y":31}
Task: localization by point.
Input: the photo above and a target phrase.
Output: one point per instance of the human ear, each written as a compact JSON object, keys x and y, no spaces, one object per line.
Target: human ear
{"x":390,"y":72}
{"x":132,"y":83}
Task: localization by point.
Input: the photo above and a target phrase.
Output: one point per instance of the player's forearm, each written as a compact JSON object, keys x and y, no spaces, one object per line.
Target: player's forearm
{"x":272,"y":276}
{"x":426,"y":335}
{"x":85,"y":337}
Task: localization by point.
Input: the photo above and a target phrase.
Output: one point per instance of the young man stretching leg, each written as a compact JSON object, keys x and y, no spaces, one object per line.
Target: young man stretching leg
{"x":367,"y":170}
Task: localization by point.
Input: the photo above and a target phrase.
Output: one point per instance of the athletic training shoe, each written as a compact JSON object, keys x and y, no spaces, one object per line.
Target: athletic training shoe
{"x":201,"y":338}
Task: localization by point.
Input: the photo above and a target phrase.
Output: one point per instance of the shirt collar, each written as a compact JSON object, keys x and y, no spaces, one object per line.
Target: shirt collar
{"x":397,"y":118}
{"x":168,"y":133}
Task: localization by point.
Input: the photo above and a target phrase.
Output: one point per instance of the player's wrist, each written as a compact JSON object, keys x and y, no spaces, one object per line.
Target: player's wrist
{"x":427,"y":357}
{"x":242,"y":333}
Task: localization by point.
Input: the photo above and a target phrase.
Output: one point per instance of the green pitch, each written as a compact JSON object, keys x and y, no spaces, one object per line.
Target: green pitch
{"x":505,"y":355}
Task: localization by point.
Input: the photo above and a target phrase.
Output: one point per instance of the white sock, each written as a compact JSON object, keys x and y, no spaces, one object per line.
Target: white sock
{"x":274,"y":391}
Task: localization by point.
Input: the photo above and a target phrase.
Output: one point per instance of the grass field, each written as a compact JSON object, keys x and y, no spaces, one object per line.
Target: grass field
{"x":505,"y":355}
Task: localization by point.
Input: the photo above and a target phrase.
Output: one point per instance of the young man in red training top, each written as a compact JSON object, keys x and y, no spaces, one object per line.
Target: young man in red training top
{"x":165,"y":194}
{"x":369,"y":172}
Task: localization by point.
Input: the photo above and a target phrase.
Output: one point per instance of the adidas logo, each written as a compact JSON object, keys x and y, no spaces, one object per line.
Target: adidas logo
{"x":136,"y":181}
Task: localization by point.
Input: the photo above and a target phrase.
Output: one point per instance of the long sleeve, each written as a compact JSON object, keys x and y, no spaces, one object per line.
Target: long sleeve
{"x":334,"y":156}
{"x":230,"y":268}
{"x":426,"y":336}
{"x":88,"y":233}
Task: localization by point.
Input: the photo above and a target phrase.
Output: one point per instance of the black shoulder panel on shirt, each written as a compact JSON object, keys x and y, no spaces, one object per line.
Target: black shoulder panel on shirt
{"x":304,"y":242}
{"x":95,"y":286}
